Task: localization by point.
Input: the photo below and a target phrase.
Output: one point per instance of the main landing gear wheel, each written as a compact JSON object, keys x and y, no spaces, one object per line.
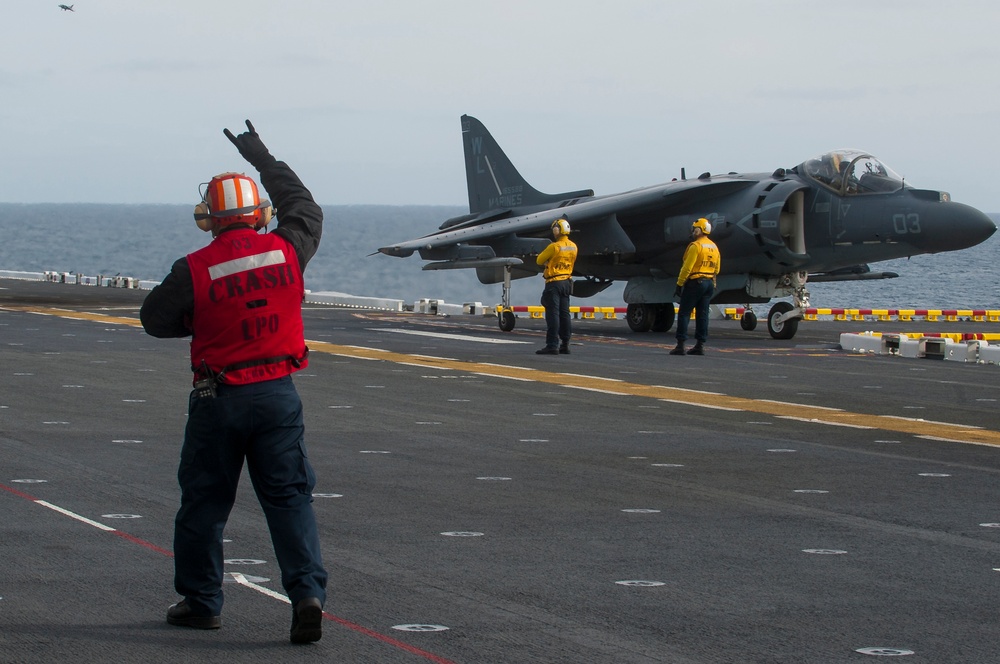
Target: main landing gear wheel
{"x":506,"y":320}
{"x":640,"y":317}
{"x":785,"y":329}
{"x":664,"y":317}
{"x":748,"y":321}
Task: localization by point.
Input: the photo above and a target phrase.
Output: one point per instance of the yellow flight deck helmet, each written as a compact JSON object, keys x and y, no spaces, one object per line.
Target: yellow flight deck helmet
{"x":560,"y":227}
{"x":703,"y":224}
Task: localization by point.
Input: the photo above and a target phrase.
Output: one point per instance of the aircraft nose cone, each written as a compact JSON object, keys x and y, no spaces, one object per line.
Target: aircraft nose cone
{"x":954,"y":226}
{"x":975,"y":226}
{"x":979,"y":226}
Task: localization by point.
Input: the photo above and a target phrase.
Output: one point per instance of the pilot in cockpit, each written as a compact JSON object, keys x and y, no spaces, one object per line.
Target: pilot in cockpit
{"x":828,"y":172}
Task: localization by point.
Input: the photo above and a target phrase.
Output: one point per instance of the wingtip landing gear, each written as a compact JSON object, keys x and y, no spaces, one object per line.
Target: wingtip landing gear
{"x":506,"y":319}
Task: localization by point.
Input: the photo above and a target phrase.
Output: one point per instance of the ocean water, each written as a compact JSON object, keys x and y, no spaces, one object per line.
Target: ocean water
{"x":143,"y":241}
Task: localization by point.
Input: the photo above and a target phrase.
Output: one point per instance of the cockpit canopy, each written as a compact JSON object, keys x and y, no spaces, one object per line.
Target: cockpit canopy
{"x":852,"y":172}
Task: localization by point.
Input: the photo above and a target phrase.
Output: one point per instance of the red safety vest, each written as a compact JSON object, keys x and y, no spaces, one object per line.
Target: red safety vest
{"x":248,"y":295}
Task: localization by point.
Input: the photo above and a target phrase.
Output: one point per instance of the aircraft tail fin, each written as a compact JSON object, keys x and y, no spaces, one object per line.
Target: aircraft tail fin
{"x":493,"y":181}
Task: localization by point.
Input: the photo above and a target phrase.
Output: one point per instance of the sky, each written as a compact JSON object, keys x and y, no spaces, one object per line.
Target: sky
{"x":125,"y":102}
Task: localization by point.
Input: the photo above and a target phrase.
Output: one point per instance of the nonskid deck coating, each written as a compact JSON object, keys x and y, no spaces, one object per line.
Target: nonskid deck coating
{"x":626,"y":527}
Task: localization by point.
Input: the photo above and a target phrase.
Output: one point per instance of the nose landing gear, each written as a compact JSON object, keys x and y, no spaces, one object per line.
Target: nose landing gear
{"x":783,"y":319}
{"x":782,"y":322}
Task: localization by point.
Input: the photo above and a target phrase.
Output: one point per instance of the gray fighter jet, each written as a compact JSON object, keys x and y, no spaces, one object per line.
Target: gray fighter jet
{"x":823,"y":220}
{"x":67,"y":8}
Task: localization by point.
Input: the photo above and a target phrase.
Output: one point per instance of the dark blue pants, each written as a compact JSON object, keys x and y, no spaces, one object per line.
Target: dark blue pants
{"x":695,"y":295}
{"x":555,"y":299}
{"x":261,"y":423}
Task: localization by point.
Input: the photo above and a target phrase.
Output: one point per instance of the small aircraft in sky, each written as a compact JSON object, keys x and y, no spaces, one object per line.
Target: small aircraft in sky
{"x":823,"y":220}
{"x":67,"y":8}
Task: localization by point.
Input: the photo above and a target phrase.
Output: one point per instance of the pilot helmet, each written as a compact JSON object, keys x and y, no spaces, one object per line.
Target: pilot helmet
{"x":231,"y":198}
{"x":703,"y":224}
{"x":560,"y":227}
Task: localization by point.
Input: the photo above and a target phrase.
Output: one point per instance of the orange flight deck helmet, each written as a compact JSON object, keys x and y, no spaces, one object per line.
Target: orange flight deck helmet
{"x":703,"y":224}
{"x":231,"y":198}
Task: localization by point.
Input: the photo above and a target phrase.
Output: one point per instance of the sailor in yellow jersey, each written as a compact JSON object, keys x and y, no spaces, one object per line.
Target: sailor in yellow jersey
{"x":558,"y":259}
{"x":695,"y":286}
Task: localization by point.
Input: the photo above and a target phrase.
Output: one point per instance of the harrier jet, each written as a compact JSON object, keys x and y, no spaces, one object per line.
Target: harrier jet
{"x":67,"y":8}
{"x":823,"y":220}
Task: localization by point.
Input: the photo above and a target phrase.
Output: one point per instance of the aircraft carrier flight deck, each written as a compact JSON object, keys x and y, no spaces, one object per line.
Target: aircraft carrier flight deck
{"x":773,"y":501}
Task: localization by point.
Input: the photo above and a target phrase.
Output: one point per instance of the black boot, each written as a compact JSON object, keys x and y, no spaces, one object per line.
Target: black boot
{"x":307,"y":621}
{"x":679,"y":349}
{"x":697,"y":350}
{"x":180,"y":614}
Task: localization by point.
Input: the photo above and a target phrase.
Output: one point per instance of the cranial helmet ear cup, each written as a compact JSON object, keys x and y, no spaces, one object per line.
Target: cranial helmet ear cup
{"x":203,"y":217}
{"x":266,"y":213}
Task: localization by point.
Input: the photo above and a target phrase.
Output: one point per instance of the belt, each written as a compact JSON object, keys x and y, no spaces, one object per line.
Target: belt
{"x":205,"y":372}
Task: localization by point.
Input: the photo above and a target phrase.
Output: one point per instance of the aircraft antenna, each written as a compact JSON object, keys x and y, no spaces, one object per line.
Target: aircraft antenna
{"x":683,"y":176}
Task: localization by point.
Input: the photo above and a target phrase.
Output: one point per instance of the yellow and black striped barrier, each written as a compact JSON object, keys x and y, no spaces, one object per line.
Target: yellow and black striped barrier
{"x":607,"y":313}
{"x":904,"y":315}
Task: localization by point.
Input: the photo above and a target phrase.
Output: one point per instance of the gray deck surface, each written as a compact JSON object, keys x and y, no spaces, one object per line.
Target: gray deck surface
{"x":468,"y":484}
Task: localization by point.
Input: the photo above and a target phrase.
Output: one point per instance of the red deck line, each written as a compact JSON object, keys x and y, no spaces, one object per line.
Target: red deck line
{"x":413,"y":650}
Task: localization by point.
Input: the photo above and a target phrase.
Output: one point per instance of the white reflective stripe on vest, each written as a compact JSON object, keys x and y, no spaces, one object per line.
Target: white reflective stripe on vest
{"x":275,"y":257}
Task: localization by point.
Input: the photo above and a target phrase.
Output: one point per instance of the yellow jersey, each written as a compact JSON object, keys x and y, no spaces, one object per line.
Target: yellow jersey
{"x":558,"y":259}
{"x":701,"y":261}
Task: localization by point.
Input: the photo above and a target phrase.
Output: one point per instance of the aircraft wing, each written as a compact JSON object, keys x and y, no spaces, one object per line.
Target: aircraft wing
{"x":487,"y":243}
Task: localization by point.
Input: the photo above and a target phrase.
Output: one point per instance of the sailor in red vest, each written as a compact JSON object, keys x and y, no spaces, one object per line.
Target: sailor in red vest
{"x":240,"y":300}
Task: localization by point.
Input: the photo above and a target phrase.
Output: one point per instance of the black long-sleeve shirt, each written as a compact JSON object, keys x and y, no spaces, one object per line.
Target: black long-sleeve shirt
{"x":168,"y":309}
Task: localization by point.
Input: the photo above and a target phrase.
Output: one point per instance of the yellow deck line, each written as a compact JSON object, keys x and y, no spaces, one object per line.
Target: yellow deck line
{"x":818,"y":414}
{"x":75,"y":315}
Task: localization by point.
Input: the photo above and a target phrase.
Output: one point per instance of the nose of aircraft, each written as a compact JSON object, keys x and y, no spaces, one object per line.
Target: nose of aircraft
{"x":952,"y":226}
